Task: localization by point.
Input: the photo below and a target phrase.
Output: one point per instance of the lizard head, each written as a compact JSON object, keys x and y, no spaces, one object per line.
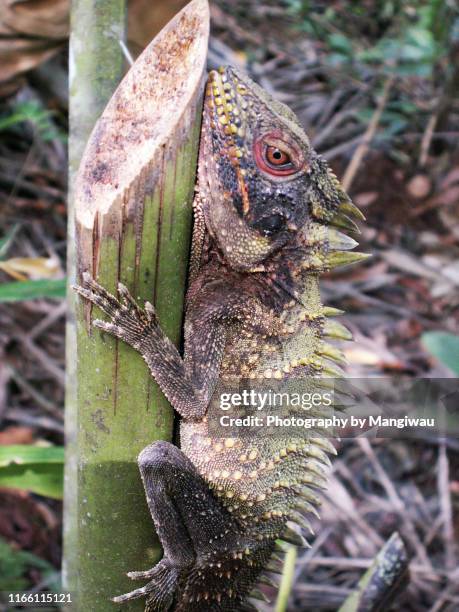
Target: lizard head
{"x":258,"y":174}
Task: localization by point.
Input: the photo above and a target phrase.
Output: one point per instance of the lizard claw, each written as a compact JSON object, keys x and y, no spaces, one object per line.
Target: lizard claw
{"x":97,"y":295}
{"x":127,"y":321}
{"x":159,"y":591}
{"x":127,"y":299}
{"x":109,"y":328}
{"x":142,"y":592}
{"x":143,"y":575}
{"x":151,"y":312}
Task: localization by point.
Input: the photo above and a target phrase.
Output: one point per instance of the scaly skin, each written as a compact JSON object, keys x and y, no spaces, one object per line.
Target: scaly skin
{"x":266,"y":217}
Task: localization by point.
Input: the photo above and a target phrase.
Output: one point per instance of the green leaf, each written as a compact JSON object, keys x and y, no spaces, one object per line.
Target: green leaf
{"x":39,"y":469}
{"x":14,"y":564}
{"x":421,"y":37}
{"x":340,"y":43}
{"x":35,"y":114}
{"x":32,"y":289}
{"x":337,"y":59}
{"x":443,"y":346}
{"x":12,"y":569}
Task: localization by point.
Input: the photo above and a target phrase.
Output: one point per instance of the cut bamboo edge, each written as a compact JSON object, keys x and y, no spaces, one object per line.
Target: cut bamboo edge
{"x":132,"y":199}
{"x":143,"y":124}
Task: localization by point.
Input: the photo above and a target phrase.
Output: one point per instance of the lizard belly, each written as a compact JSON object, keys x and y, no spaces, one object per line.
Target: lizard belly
{"x":257,"y":480}
{"x":259,"y":477}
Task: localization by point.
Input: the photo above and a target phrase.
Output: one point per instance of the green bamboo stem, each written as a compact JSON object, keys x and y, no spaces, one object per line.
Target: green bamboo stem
{"x":133,"y":198}
{"x":96,"y":67}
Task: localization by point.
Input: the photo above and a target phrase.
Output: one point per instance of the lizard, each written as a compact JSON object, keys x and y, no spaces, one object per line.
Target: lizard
{"x":269,"y":218}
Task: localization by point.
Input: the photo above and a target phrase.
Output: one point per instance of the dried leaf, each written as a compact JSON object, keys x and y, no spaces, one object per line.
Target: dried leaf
{"x":16,"y":435}
{"x":34,"y":268}
{"x":361,"y":356}
{"x":37,"y":18}
{"x":147,"y":18}
{"x":31,"y":31}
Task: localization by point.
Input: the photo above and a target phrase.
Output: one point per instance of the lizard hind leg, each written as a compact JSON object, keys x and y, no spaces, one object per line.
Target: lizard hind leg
{"x":194,"y":527}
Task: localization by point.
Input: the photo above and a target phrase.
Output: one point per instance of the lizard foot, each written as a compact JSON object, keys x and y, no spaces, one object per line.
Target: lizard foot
{"x":128,"y":321}
{"x":159,"y":591}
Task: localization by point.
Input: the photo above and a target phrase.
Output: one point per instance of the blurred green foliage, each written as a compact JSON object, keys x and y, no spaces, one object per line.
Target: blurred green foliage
{"x":39,"y":469}
{"x":444,"y":347}
{"x":19,"y":291}
{"x":367,"y":41}
{"x":408,"y":38}
{"x":33,"y":113}
{"x":14,"y":566}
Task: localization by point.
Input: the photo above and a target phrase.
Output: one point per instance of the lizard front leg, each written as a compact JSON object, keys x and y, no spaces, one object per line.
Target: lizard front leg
{"x":187,"y":383}
{"x":140,"y":329}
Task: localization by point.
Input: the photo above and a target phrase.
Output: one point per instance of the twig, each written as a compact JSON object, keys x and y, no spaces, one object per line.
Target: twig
{"x":445,"y":505}
{"x":41,"y":400}
{"x":330,"y":154}
{"x":48,"y":364}
{"x":381,"y":582}
{"x":382,"y":305}
{"x":126,"y":52}
{"x":343,"y":563}
{"x":309,"y":554}
{"x":331,"y":126}
{"x":335,"y":494}
{"x":447,"y":593}
{"x":322,"y":588}
{"x":43,"y":191}
{"x":23,"y":415}
{"x":427,"y":139}
{"x":433,"y":530}
{"x":396,"y":501}
{"x":363,"y":147}
{"x":287,"y":579}
{"x":48,"y":320}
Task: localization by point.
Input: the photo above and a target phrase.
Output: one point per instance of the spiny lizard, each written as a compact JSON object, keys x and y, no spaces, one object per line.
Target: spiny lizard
{"x":268,"y":217}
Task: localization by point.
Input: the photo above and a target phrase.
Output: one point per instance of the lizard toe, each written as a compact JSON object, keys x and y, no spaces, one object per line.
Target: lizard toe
{"x":159,"y":591}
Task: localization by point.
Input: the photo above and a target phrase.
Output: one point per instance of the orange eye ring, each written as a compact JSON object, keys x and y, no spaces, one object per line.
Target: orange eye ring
{"x":277,"y":158}
{"x":274,"y":159}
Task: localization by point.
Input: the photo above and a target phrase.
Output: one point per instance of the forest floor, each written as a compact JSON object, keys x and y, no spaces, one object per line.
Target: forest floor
{"x":392,"y":139}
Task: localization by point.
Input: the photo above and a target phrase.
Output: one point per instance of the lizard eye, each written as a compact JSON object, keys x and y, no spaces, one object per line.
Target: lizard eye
{"x":275,"y":156}
{"x":278,"y":158}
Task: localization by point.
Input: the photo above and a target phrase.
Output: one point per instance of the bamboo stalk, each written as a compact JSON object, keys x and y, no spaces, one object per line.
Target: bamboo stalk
{"x":133,"y":198}
{"x":95,"y":68}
